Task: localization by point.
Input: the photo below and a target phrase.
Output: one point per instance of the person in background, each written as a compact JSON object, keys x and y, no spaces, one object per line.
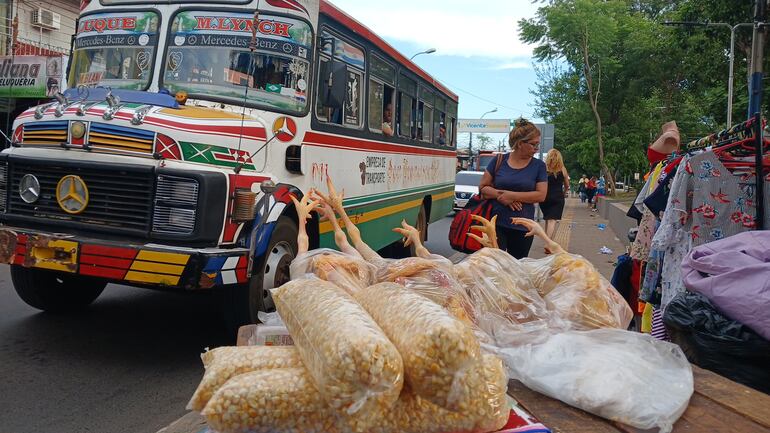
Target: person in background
{"x":601,"y":187}
{"x":516,"y":185}
{"x":591,"y":191}
{"x":558,"y":190}
{"x":582,"y":190}
{"x":387,"y":120}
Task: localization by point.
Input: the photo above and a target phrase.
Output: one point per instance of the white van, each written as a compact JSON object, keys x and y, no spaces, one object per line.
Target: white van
{"x":466,"y":186}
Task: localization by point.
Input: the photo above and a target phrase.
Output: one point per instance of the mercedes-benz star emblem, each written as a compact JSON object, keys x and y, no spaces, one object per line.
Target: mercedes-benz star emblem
{"x":72,"y":194}
{"x":29,"y":188}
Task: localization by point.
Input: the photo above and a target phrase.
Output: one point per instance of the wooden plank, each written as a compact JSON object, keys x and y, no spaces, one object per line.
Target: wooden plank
{"x":706,"y":416}
{"x":739,"y":398}
{"x":558,"y":416}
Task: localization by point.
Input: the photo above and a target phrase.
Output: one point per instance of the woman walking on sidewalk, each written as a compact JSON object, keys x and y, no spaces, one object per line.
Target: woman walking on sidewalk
{"x":591,"y":191}
{"x":558,"y":189}
{"x":515,"y":181}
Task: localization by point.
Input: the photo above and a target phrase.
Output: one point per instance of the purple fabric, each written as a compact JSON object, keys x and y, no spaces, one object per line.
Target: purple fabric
{"x":734,"y":274}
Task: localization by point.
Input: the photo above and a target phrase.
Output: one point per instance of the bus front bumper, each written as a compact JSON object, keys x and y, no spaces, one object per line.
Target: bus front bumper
{"x":134,"y":264}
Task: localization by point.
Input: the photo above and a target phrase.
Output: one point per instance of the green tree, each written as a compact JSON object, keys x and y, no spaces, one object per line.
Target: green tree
{"x":484,"y":142}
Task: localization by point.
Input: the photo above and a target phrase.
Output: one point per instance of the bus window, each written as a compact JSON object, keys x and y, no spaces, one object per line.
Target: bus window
{"x":406,"y":115}
{"x":205,"y":60}
{"x":351,"y":113}
{"x":427,"y":123}
{"x":381,"y":108}
{"x":440,"y":128}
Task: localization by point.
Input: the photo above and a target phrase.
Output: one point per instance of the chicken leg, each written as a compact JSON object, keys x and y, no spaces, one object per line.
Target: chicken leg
{"x":412,"y":236}
{"x":535,"y":230}
{"x":304,"y":207}
{"x":335,"y":201}
{"x":487,"y":229}
{"x":340,"y":239}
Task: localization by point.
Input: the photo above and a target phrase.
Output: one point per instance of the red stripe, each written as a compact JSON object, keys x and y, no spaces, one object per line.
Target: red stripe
{"x":331,"y":10}
{"x":95,"y":271}
{"x":337,"y":142}
{"x":241,"y":275}
{"x":19,"y":259}
{"x":99,"y":250}
{"x":237,"y":181}
{"x":87,"y":259}
{"x":243,"y":262}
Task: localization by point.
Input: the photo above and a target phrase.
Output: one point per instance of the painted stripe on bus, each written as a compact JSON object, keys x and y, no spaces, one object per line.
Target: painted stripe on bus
{"x":373,"y":198}
{"x":318,"y":139}
{"x":326,"y":226}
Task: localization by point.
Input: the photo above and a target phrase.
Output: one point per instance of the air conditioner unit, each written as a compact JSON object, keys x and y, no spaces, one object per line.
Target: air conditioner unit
{"x":46,"y":19}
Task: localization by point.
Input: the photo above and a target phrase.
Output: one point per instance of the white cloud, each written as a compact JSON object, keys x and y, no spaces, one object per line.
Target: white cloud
{"x":454,"y":27}
{"x":512,"y":65}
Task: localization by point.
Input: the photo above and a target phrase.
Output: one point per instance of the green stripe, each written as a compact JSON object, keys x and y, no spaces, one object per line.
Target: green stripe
{"x":404,"y":192}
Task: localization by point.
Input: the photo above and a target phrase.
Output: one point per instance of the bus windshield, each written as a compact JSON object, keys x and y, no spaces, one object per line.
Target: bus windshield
{"x":115,"y":50}
{"x":209,"y":57}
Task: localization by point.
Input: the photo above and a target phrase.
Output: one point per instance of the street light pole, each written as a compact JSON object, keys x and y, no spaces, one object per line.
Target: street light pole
{"x":428,"y":51}
{"x":731,"y":77}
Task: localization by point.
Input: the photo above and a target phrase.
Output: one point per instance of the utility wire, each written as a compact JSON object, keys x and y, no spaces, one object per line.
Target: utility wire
{"x":515,"y":110}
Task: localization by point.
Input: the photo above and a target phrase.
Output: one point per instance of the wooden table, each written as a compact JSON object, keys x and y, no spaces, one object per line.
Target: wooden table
{"x":717,"y":405}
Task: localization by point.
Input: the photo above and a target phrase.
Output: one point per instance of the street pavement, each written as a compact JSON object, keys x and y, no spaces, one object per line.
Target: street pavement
{"x":131,"y":362}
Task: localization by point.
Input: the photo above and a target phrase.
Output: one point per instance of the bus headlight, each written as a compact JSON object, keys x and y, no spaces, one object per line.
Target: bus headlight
{"x":176,"y":200}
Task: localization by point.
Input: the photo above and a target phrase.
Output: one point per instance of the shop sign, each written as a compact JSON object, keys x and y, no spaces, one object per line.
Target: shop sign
{"x":484,"y":125}
{"x":30,"y":76}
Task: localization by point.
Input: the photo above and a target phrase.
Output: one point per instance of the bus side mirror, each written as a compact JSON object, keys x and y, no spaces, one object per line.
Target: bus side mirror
{"x":333,"y":87}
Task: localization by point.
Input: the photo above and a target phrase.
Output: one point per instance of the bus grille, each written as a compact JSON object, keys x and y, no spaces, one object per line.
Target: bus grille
{"x":104,"y":135}
{"x":119,"y":198}
{"x":52,"y":133}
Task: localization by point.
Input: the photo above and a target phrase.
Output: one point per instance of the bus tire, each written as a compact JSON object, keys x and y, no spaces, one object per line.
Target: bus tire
{"x":397,"y":250}
{"x":55,"y":292}
{"x":242,"y":302}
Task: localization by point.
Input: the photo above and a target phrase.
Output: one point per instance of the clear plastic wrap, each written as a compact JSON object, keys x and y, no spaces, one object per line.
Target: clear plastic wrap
{"x":345,"y":270}
{"x":270,"y":401}
{"x":624,"y":376}
{"x":283,"y":401}
{"x":434,"y":279}
{"x":575,"y":290}
{"x":223,"y":363}
{"x":357,"y":370}
{"x":438,"y":350}
{"x":506,"y":305}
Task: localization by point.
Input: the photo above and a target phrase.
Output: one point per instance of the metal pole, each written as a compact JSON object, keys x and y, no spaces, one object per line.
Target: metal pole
{"x":731,"y":78}
{"x":470,"y":151}
{"x":757,"y":57}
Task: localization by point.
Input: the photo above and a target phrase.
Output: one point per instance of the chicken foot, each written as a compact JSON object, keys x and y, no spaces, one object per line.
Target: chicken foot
{"x":334,"y":200}
{"x":304,"y":206}
{"x":536,"y":230}
{"x":488,"y":237}
{"x":412,"y":236}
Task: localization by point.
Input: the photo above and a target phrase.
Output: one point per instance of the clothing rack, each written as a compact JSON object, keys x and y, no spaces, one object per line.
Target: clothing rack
{"x":753,"y":128}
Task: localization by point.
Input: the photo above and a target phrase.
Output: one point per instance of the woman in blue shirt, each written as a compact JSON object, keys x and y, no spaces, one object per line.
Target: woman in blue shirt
{"x":518,"y":183}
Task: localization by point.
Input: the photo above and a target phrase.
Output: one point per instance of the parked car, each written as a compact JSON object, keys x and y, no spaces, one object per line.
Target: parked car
{"x":466,"y":186}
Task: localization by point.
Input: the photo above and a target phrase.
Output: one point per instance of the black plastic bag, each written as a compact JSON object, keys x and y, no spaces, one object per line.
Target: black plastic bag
{"x":717,"y":343}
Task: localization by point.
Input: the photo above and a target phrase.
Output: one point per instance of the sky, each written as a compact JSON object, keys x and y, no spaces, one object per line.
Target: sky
{"x":478,"y":52}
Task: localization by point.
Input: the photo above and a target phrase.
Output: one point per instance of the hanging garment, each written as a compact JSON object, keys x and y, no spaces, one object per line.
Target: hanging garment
{"x":640,"y":248}
{"x":658,"y":328}
{"x":672,"y":240}
{"x":734,"y":274}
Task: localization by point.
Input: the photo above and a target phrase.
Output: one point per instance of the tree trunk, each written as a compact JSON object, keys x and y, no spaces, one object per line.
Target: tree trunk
{"x":609,"y":183}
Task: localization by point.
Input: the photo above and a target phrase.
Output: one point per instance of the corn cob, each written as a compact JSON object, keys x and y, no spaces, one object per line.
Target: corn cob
{"x":437,"y":348}
{"x":357,"y":370}
{"x":223,"y":363}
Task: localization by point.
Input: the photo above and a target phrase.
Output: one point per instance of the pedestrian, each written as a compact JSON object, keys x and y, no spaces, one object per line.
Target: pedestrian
{"x":600,"y":187}
{"x":591,"y":191}
{"x":582,"y":188}
{"x":516,"y":181}
{"x":558,"y":190}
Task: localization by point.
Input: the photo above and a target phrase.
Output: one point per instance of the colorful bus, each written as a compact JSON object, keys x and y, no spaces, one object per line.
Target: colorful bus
{"x":170,"y":160}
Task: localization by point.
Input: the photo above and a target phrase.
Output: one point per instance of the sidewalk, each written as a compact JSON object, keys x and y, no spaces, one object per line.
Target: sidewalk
{"x":579,"y":233}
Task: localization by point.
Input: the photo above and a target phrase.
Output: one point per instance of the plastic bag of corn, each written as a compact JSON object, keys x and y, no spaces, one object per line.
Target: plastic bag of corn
{"x":285,"y":401}
{"x":270,"y":401}
{"x":223,"y":363}
{"x":357,"y":370}
{"x":347,"y":271}
{"x":437,"y":349}
{"x":487,"y":409}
